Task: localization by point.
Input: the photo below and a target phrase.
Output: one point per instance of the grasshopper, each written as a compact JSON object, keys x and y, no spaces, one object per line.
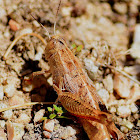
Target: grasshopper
{"x":76,"y":91}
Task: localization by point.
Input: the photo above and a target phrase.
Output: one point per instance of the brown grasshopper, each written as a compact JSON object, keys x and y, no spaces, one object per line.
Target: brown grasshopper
{"x":76,"y":91}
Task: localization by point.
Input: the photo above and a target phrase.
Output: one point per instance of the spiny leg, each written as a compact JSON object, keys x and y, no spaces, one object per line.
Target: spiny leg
{"x":58,"y":90}
{"x":37,"y":73}
{"x":34,"y":74}
{"x":36,"y":80}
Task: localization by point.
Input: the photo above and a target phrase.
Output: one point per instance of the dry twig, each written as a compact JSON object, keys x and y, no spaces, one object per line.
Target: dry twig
{"x":19,"y":37}
{"x":26,"y":104}
{"x":123,"y":73}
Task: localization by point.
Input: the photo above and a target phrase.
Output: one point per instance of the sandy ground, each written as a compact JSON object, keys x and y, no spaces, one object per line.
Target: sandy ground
{"x":103,"y":35}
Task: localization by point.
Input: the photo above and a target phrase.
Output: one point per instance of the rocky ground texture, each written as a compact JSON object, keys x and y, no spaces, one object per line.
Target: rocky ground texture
{"x":103,"y":34}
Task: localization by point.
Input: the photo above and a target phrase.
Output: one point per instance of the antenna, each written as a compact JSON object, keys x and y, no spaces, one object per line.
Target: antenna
{"x":56,"y":16}
{"x":41,"y":25}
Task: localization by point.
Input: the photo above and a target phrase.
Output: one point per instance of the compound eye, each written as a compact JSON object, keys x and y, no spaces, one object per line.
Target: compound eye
{"x":61,"y":42}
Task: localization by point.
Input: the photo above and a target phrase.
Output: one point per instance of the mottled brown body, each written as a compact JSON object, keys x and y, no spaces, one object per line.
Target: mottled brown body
{"x":75,"y":90}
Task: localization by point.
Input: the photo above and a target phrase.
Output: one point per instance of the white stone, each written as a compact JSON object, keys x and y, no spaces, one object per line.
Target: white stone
{"x":50,"y":81}
{"x":137,"y":33}
{"x":15,"y":131}
{"x":108,"y":83}
{"x":133,"y":108}
{"x":103,"y":93}
{"x":48,"y":125}
{"x":124,"y":129}
{"x":1,"y":92}
{"x":38,"y":56}
{"x":47,"y":134}
{"x":6,"y":114}
{"x":7,"y":34}
{"x":2,"y":13}
{"x":9,"y":90}
{"x":89,"y":64}
{"x":66,"y":11}
{"x":129,"y":125}
{"x":68,"y":132}
{"x":122,"y":86}
{"x":113,"y":109}
{"x":2,"y":123}
{"x":135,"y":91}
{"x":24,"y":118}
{"x":36,"y":24}
{"x":135,"y":50}
{"x":123,"y":111}
{"x":120,"y":7}
{"x":39,"y":115}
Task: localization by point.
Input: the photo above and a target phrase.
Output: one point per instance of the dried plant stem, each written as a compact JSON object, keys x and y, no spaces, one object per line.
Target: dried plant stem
{"x":26,"y":104}
{"x":123,"y":53}
{"x":19,"y":37}
{"x":123,"y":73}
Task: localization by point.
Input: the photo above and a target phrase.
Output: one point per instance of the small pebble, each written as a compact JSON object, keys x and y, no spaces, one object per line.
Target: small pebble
{"x":133,"y":108}
{"x":68,"y":132}
{"x":7,"y":34}
{"x":112,"y":110}
{"x":123,"y":111}
{"x":66,"y":11}
{"x":89,"y":64}
{"x":47,"y":134}
{"x":135,"y":50}
{"x":36,"y":24}
{"x":15,"y":131}
{"x":24,"y":118}
{"x":39,"y":115}
{"x":124,"y":129}
{"x":137,"y":34}
{"x":38,"y":56}
{"x":122,"y":86}
{"x":129,"y":125}
{"x":2,"y":123}
{"x":103,"y":93}
{"x":108,"y":83}
{"x":120,"y":7}
{"x":2,"y":13}
{"x":9,"y":90}
{"x":48,"y":125}
{"x":14,"y":25}
{"x":6,"y":114}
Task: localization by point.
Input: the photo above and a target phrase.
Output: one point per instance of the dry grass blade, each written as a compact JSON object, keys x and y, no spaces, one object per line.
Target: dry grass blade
{"x":123,"y":73}
{"x":26,"y":104}
{"x":19,"y":37}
